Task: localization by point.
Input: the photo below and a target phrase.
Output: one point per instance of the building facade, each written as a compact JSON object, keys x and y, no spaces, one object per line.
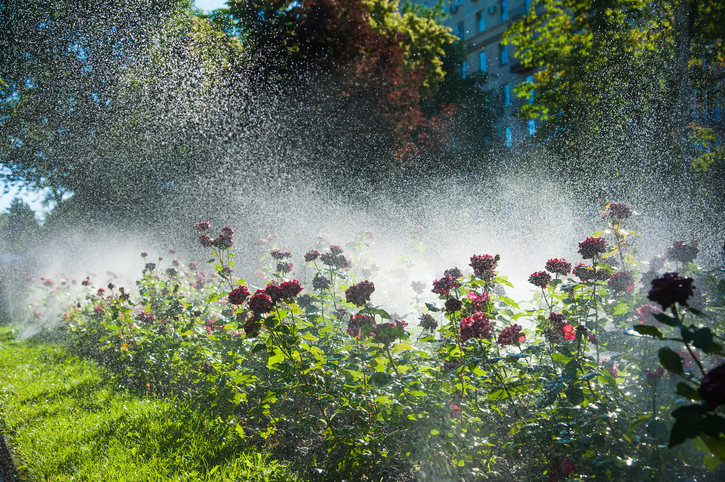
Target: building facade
{"x":480,"y":25}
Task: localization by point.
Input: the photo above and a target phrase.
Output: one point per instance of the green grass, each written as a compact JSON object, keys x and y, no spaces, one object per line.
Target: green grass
{"x":65,"y":421}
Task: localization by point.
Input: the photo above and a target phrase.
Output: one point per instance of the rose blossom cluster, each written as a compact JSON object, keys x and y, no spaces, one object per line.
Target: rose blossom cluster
{"x":223,"y":241}
{"x":592,"y":247}
{"x":621,"y":282}
{"x":511,"y":335}
{"x":476,"y":326}
{"x":484,"y":266}
{"x":427,"y":322}
{"x":681,"y":252}
{"x":558,"y":266}
{"x":444,"y":285}
{"x":558,"y":328}
{"x":359,"y":294}
{"x":335,"y":258}
{"x":354,"y":326}
{"x":540,"y":279}
{"x":584,"y":272}
{"x":619,"y":211}
{"x":671,"y":289}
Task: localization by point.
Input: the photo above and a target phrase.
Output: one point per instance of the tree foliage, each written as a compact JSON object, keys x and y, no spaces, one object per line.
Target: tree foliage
{"x":622,"y":79}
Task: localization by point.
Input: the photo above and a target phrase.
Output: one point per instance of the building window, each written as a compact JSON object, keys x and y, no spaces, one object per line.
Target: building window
{"x":531,"y":124}
{"x":463,"y":69}
{"x":482,"y":61}
{"x":481,"y":21}
{"x":508,"y":138}
{"x":503,"y":51}
{"x":506,"y":94}
{"x":530,"y":79}
{"x":459,"y":31}
{"x":503,"y":14}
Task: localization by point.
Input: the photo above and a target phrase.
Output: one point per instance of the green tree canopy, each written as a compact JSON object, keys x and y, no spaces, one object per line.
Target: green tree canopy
{"x":622,"y":82}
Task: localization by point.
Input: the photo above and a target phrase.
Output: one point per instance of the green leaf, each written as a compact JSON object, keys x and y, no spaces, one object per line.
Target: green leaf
{"x":715,"y":445}
{"x":700,"y":337}
{"x":561,"y":358}
{"x":658,"y":429}
{"x":432,"y":307}
{"x":649,"y":330}
{"x":711,"y":461}
{"x":376,"y":311}
{"x":666,"y":319}
{"x":687,"y":391}
{"x":380,"y":379}
{"x":688,"y":424}
{"x":274,"y":360}
{"x":670,"y":360}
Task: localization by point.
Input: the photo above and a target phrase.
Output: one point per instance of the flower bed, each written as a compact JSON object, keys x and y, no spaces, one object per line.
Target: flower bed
{"x":468,"y":385}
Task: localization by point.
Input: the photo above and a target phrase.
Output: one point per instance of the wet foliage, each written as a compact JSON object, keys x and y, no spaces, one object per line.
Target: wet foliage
{"x":606,"y":372}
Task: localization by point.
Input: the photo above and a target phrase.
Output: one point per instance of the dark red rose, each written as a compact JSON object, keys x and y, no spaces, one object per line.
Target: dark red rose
{"x":444,"y":285}
{"x":453,"y":305}
{"x":511,"y":335}
{"x":192,"y":266}
{"x":484,"y":266}
{"x":476,"y":326}
{"x":560,"y":466}
{"x":260,"y":302}
{"x":621,"y":282}
{"x":454,"y":272}
{"x":312,"y":255}
{"x":681,"y":252}
{"x":223,"y":242}
{"x":336,"y":260}
{"x":558,"y":266}
{"x":385,"y":333}
{"x":712,"y":388}
{"x":427,"y":322}
{"x":238,"y":295}
{"x":618,"y":210}
{"x":277,"y":254}
{"x":540,"y":279}
{"x":592,"y":247}
{"x":305,"y":300}
{"x":360,"y":293}
{"x":290,"y":289}
{"x":320,"y":282}
{"x":335,"y":250}
{"x":227,"y":232}
{"x":357,"y":322}
{"x":284,"y":267}
{"x":145,"y":317}
{"x":203,"y":226}
{"x":252,"y":328}
{"x":205,"y":241}
{"x":671,"y":289}
{"x":584,"y":272}
{"x":274,"y":291}
{"x":654,"y":376}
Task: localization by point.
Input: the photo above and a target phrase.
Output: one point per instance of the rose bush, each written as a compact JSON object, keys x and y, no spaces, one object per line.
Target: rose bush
{"x":482,"y":387}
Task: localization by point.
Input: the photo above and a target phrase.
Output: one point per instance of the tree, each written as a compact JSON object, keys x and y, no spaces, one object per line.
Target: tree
{"x":19,"y":227}
{"x":617,"y":80}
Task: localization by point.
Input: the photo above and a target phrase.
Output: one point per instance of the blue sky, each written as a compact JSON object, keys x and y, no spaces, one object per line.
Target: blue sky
{"x":208,"y":5}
